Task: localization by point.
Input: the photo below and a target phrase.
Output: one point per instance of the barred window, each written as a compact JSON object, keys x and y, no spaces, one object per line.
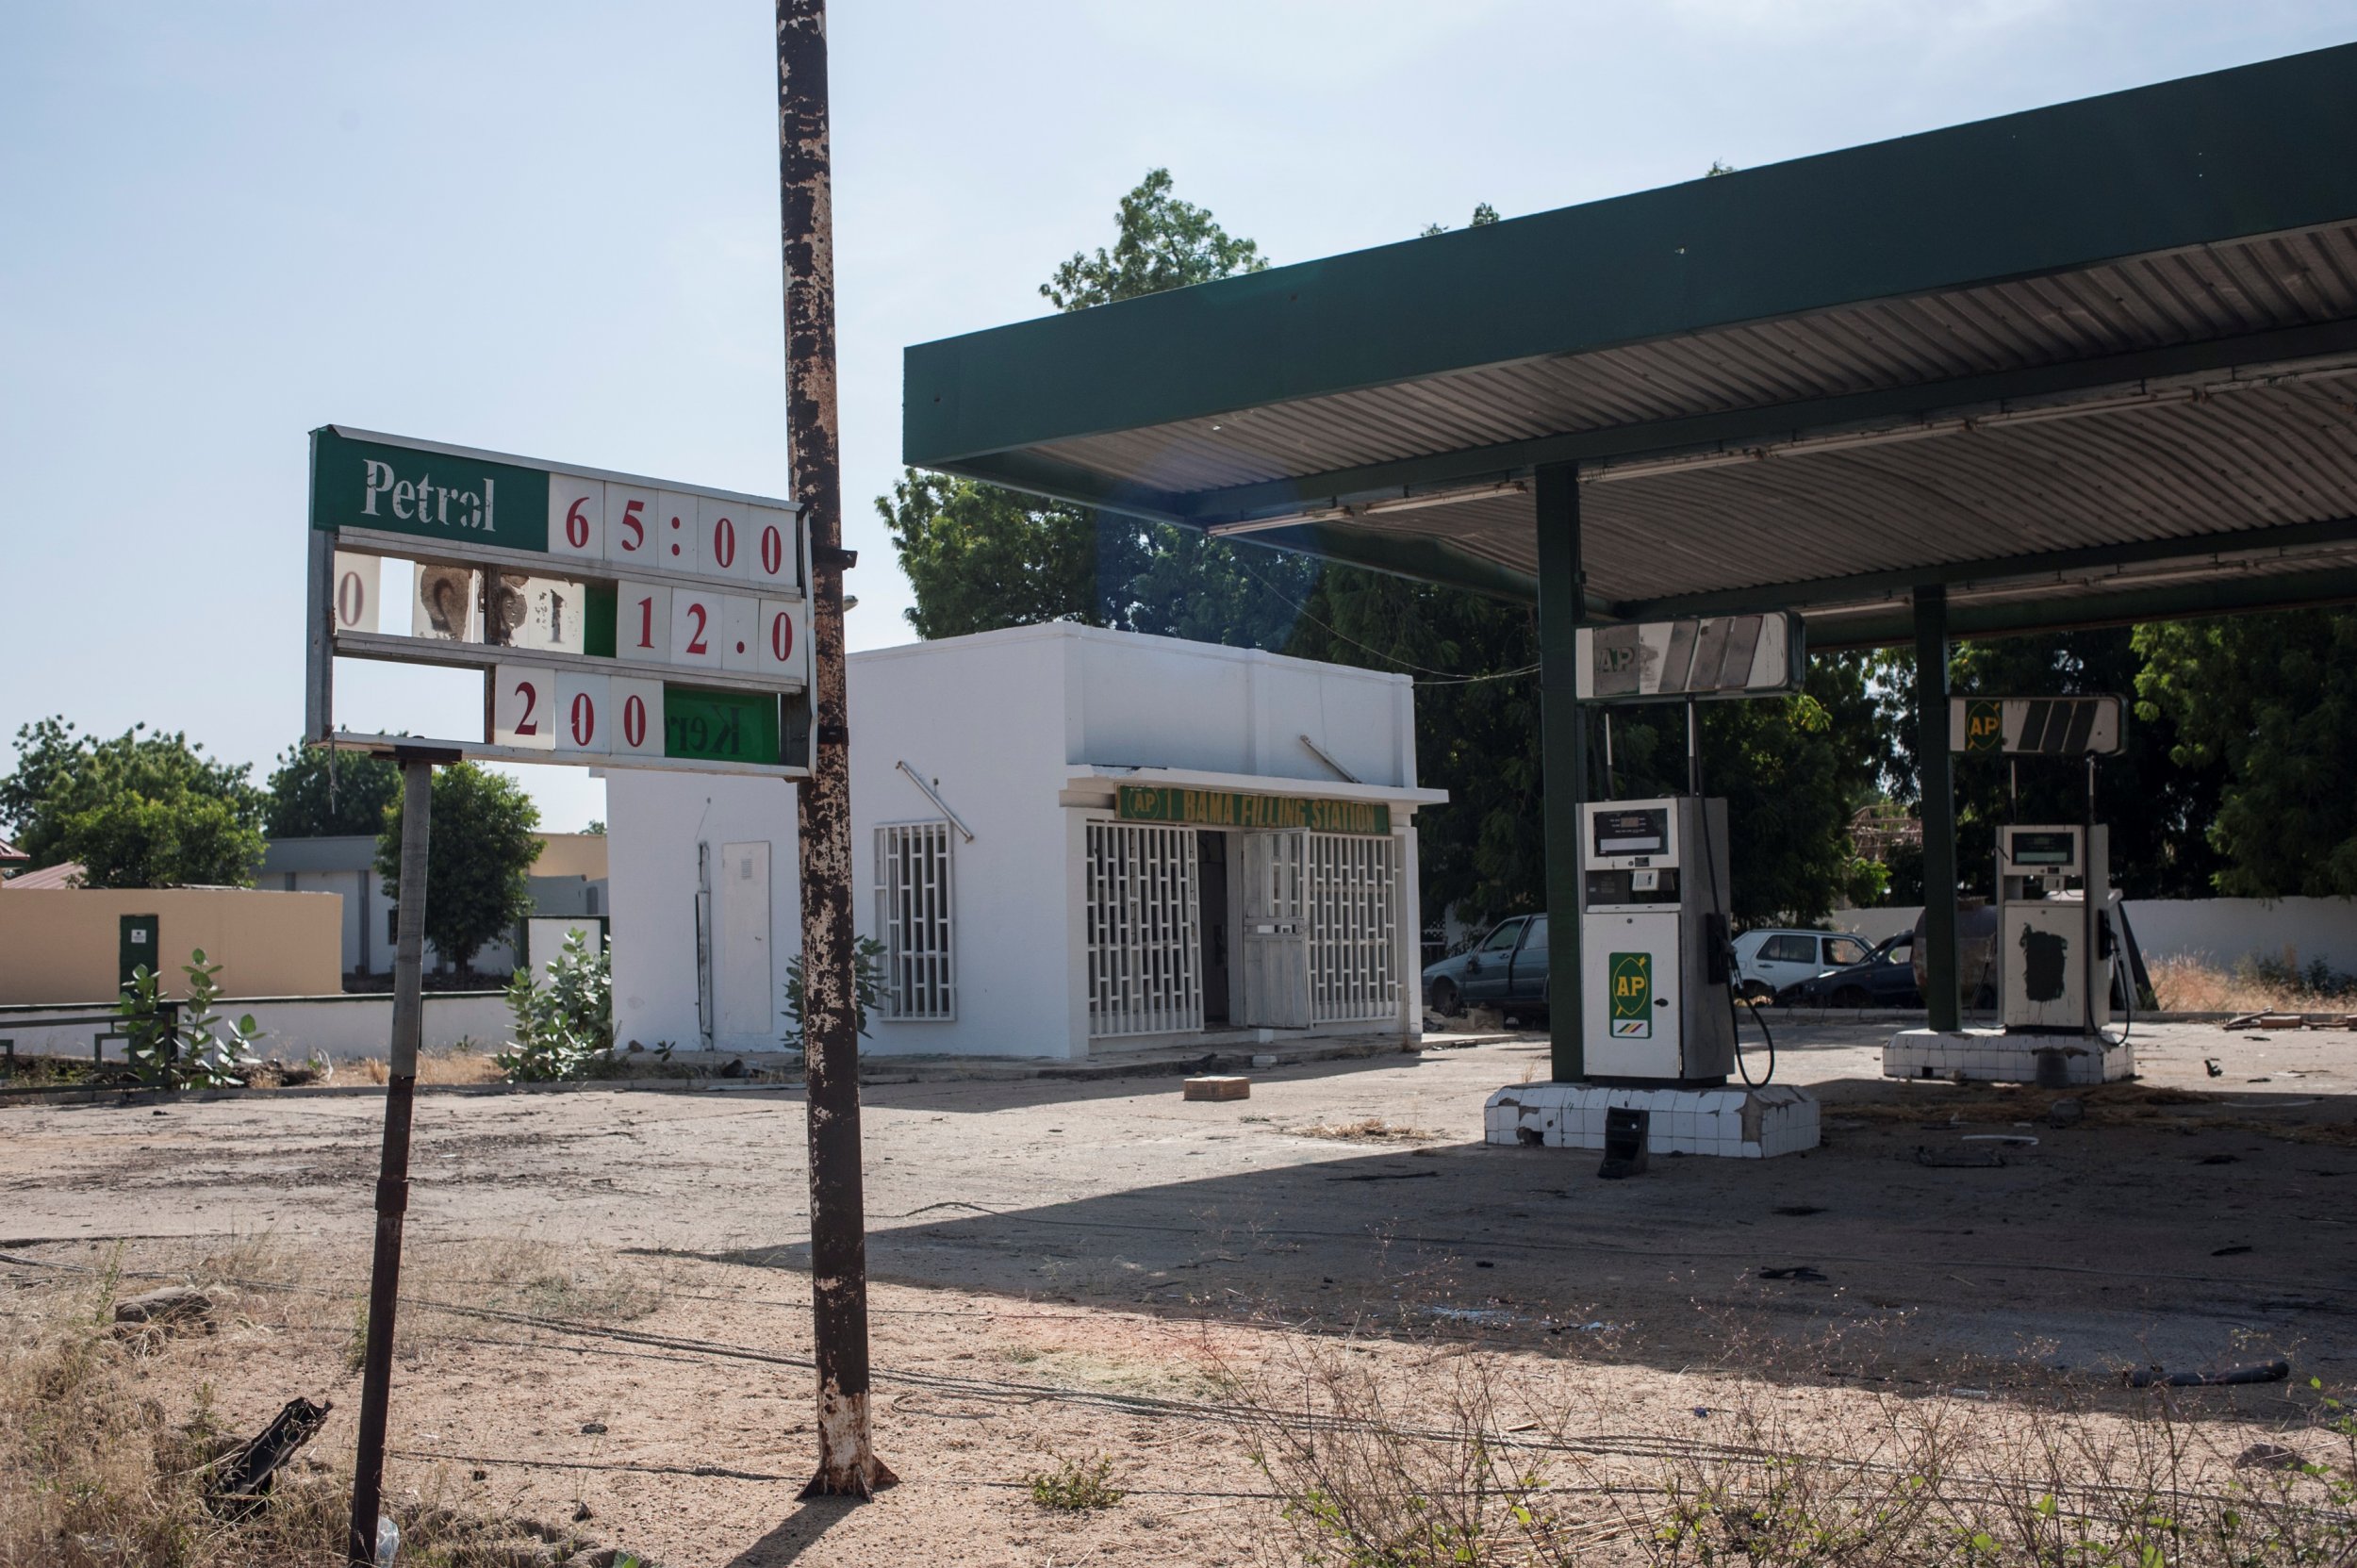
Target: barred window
{"x":1144,"y":936}
{"x":1354,"y":927}
{"x":913,"y":921}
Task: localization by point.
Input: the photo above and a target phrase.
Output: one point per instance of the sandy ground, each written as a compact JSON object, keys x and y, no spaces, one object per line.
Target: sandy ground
{"x":1062,"y":1268}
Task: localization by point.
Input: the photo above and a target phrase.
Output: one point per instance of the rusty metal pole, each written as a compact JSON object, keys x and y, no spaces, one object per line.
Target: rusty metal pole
{"x":847,"y":1464}
{"x":392,"y":1181}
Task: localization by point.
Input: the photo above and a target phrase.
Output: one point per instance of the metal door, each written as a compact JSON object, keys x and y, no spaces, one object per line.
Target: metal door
{"x":141,"y":943}
{"x":1629,"y":986}
{"x":745,"y":1013}
{"x":1276,"y":931}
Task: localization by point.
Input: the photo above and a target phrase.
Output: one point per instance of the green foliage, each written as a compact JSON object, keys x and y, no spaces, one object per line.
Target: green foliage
{"x":140,"y":810}
{"x":564,"y":1024}
{"x":313,"y":795}
{"x":1074,"y":1486}
{"x":480,"y":847}
{"x":867,"y":958}
{"x":187,"y":1045}
{"x":2270,"y":701}
{"x":1162,"y":243}
{"x":980,"y":557}
{"x":2155,"y":799}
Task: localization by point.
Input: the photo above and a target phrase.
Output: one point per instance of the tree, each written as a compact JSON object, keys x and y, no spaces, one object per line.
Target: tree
{"x":480,"y":847}
{"x":1160,"y":243}
{"x":140,"y":810}
{"x":2270,"y":701}
{"x":314,"y":795}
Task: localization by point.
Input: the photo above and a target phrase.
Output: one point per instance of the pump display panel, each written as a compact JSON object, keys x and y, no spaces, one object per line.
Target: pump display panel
{"x":2043,"y":847}
{"x":1644,"y":831}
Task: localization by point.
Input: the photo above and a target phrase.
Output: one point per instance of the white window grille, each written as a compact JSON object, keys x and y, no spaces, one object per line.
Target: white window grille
{"x":914,"y":904}
{"x":1144,"y":930}
{"x":1354,"y":927}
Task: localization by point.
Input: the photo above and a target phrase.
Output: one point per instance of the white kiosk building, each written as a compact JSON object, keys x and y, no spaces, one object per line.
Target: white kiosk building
{"x":1067,"y":841}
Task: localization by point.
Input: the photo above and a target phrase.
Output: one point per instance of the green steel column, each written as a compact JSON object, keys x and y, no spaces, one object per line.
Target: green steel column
{"x":1934,"y":770}
{"x":1563,"y":775}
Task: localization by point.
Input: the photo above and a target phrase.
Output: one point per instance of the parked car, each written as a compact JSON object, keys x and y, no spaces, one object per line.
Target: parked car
{"x":1507,"y":968}
{"x":1767,"y":960}
{"x":1884,"y":979}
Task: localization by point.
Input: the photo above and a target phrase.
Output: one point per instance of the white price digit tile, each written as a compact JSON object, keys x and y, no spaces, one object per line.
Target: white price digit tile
{"x":446,"y":602}
{"x":781,"y":651}
{"x":676,"y":531}
{"x":576,"y":516}
{"x":638,"y":717}
{"x":358,"y":578}
{"x":740,"y":632}
{"x":773,"y":553}
{"x":524,"y":706}
{"x":630,"y":526}
{"x":725,"y":534}
{"x":584,"y":712}
{"x":642,"y":624}
{"x":549,"y":615}
{"x":695,"y":628}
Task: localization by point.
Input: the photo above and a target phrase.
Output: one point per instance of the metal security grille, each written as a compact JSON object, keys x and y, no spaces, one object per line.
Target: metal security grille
{"x":913,"y":920}
{"x":1354,"y":927}
{"x":1145,"y":931}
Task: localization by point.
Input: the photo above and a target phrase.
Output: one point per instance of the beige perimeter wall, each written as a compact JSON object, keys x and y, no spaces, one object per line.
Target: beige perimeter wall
{"x":64,"y":945}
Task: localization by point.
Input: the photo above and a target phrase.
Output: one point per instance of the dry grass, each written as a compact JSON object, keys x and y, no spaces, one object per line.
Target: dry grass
{"x":450,"y":1065}
{"x":1469,"y":1460}
{"x":2191,"y":982}
{"x":1367,"y":1130}
{"x":96,"y":1470}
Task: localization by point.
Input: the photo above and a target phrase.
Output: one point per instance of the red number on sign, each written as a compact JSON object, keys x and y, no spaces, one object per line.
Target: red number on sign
{"x":526,"y":726}
{"x":577,"y":525}
{"x":584,"y":718}
{"x":351,"y":599}
{"x":724,"y":543}
{"x":781,"y":637}
{"x":646,"y":620}
{"x":637,"y":529}
{"x":634,"y":721}
{"x":772,"y":549}
{"x":696,"y":642}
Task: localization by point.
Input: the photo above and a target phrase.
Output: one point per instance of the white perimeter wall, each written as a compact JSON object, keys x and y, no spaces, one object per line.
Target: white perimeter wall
{"x":343,"y":1028}
{"x":2220,"y":929}
{"x":653,"y":824}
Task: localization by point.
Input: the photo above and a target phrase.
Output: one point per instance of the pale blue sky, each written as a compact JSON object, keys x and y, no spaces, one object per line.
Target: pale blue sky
{"x":552,"y":229}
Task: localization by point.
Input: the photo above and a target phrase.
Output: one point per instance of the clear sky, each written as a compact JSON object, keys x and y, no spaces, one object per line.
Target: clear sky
{"x":552,"y":229}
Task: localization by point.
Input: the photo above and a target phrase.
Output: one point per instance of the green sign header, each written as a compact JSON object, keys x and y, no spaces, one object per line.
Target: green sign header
{"x":1220,"y":808}
{"x":433,"y":495}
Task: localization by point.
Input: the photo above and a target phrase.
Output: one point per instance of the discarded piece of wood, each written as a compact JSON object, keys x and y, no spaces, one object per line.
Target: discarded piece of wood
{"x":242,"y":1479}
{"x":1217,"y":1086}
{"x":2265,"y":1372}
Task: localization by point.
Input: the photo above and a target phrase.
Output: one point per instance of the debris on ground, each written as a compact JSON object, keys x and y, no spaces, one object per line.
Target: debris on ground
{"x":1982,"y":1157}
{"x":1802,"y":1274}
{"x":1217,"y":1086}
{"x":242,"y":1479}
{"x":2265,"y":1372}
{"x":2269,"y":1456}
{"x":174,"y":1308}
{"x":1367,"y":1130}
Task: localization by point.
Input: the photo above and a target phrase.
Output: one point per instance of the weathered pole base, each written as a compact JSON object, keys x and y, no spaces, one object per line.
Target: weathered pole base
{"x":843,"y":1430}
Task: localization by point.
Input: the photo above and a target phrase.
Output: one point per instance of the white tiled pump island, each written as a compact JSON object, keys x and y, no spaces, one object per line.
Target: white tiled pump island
{"x":1066,"y":841}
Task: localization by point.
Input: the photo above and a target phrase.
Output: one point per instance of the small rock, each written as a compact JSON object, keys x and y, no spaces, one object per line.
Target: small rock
{"x":593,"y":1429}
{"x":175,"y":1307}
{"x":580,"y":1513}
{"x":2268,"y":1456}
{"x":2066,"y":1113}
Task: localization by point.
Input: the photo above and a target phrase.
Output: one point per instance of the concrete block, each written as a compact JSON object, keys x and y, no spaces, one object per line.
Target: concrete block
{"x":1217,"y":1086}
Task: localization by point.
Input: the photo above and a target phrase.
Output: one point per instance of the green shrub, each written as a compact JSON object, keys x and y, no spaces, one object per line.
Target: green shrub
{"x":185,"y":1044}
{"x":564,"y":1024}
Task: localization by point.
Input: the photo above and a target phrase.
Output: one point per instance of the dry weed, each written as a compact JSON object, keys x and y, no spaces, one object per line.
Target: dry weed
{"x":1367,"y":1130}
{"x":2191,"y":982}
{"x":436,"y":1067}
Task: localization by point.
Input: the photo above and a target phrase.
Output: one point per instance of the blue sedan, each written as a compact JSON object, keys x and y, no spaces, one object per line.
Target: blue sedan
{"x":1507,"y":968}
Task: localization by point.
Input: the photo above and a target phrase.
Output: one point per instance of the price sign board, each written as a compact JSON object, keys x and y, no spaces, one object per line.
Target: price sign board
{"x":2034,"y":726}
{"x":616,"y":620}
{"x":1703,"y":656}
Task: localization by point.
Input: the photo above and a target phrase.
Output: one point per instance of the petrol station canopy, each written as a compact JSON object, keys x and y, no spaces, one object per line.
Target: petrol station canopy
{"x":2083,"y":365}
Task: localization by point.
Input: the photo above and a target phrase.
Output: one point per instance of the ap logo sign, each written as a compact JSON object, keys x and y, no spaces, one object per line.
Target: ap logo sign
{"x":1632,"y":996}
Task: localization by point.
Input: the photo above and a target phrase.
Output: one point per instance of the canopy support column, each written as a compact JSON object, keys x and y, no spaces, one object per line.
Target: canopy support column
{"x":1563,"y":775}
{"x":1934,"y":770}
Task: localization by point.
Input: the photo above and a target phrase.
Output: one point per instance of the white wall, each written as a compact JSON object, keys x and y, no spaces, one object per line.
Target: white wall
{"x":988,"y":720}
{"x":2221,"y":930}
{"x":654,"y":822}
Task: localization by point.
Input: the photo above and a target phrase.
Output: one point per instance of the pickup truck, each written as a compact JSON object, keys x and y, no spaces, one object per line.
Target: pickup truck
{"x":1507,"y":968}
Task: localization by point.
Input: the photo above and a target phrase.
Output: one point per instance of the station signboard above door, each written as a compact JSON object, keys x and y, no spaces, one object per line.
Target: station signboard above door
{"x":1705,"y":656}
{"x":617,"y":620}
{"x":1226,"y":808}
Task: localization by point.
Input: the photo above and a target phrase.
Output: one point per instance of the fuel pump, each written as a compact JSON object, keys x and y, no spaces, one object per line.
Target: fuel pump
{"x":2054,"y":940}
{"x":1653,"y":941}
